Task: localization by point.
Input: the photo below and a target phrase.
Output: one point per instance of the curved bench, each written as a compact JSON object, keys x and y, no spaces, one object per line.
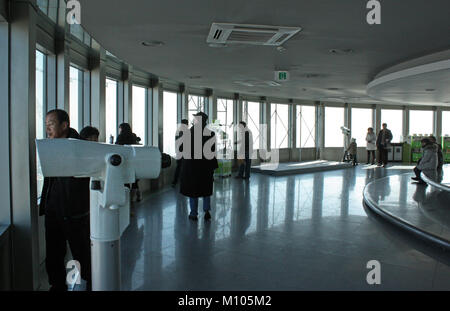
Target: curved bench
{"x":411,"y":207}
{"x":435,"y":184}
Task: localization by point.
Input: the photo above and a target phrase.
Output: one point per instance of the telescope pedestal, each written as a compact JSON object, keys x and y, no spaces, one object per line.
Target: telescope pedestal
{"x":105,"y":265}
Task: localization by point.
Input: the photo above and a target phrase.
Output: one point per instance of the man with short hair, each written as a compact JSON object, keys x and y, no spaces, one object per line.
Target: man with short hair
{"x":65,"y":204}
{"x":383,"y":142}
{"x":245,"y":150}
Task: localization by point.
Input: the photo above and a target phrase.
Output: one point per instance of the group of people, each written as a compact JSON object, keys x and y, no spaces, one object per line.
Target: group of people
{"x":430,"y":164}
{"x":374,"y":143}
{"x":65,"y":204}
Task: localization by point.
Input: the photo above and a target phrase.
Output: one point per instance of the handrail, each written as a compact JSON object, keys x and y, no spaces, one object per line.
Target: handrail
{"x":433,"y":183}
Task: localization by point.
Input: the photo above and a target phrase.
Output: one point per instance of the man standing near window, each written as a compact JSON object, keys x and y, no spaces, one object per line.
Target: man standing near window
{"x":245,"y":150}
{"x":65,"y":204}
{"x":383,"y":143}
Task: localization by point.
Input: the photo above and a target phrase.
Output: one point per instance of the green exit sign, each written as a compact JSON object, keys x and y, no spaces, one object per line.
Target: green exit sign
{"x":281,"y":76}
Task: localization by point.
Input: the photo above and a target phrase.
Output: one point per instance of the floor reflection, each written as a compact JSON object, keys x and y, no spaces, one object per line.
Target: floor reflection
{"x":269,"y":233}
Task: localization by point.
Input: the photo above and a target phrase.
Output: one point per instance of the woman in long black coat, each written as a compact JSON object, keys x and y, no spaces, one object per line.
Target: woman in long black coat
{"x":197,"y":174}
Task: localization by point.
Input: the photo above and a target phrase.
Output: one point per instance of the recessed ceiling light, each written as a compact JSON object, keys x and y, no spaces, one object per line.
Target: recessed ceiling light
{"x":152,"y":43}
{"x":194,"y":77}
{"x":333,"y":89}
{"x":217,"y":45}
{"x":281,"y":48}
{"x":341,"y":51}
{"x":430,"y":90}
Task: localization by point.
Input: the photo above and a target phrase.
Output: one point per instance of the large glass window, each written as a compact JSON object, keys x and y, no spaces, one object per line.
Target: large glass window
{"x":306,"y":127}
{"x":250,"y":115}
{"x":225,"y":118}
{"x":420,"y":122}
{"x":170,"y":122}
{"x":138,"y":112}
{"x":196,"y":104}
{"x":334,"y":119}
{"x":41,"y":109}
{"x":111,"y":110}
{"x":361,"y":121}
{"x":394,"y":120}
{"x":76,"y":98}
{"x":445,"y":123}
{"x":279,"y":123}
{"x":49,"y":8}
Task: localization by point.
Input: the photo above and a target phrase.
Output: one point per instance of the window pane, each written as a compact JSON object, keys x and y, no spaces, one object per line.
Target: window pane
{"x":170,"y":122}
{"x":111,"y":110}
{"x":225,"y":118}
{"x":40,"y":111}
{"x":138,"y":113}
{"x":420,"y":122}
{"x":394,"y":120}
{"x":306,"y":126}
{"x":334,"y":119}
{"x":361,"y":121}
{"x":251,"y":115}
{"x":445,"y":123}
{"x":279,"y":123}
{"x":196,"y":104}
{"x":75,"y":99}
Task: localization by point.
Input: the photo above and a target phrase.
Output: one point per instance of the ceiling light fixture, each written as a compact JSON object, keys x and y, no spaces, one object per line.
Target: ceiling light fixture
{"x":152,"y":43}
{"x":217,"y":45}
{"x":281,"y":48}
{"x":430,"y":90}
{"x":341,"y":51}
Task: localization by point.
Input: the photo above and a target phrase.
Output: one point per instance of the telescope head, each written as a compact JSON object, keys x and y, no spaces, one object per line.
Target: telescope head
{"x":345,"y":130}
{"x":72,"y":157}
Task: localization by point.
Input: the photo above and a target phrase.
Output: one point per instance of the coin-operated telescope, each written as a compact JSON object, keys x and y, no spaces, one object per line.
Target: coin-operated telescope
{"x":109,"y":167}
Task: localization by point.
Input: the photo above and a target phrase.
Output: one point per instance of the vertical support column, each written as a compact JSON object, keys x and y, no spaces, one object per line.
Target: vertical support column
{"x":239,"y":109}
{"x":405,"y":130}
{"x":22,"y":147}
{"x":5,"y":209}
{"x":184,"y":93}
{"x":149,"y":114}
{"x":265,"y":135}
{"x":86,"y":98}
{"x":291,"y":130}
{"x":52,"y":77}
{"x":157,"y":124}
{"x":98,"y":94}
{"x":377,"y":119}
{"x":62,"y":60}
{"x":212,"y":102}
{"x":320,"y":129}
{"x":348,"y":116}
{"x":374,"y":117}
{"x":125,"y":97}
{"x":437,"y":124}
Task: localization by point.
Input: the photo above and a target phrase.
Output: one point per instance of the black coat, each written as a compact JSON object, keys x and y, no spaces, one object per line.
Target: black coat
{"x":65,"y":196}
{"x":380,"y":143}
{"x":127,"y":139}
{"x":197,"y":175}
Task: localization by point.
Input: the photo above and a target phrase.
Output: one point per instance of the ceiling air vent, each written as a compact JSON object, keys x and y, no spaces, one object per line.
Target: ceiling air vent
{"x":250,"y":34}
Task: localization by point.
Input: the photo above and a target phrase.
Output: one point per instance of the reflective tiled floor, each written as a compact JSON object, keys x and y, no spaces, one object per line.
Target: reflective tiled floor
{"x":299,"y":232}
{"x":420,"y":206}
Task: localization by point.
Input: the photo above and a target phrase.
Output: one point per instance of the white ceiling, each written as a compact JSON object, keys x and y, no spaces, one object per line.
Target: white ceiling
{"x":409,"y":29}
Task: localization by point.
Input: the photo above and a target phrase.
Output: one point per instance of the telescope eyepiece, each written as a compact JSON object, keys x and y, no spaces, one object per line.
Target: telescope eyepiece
{"x":115,"y":160}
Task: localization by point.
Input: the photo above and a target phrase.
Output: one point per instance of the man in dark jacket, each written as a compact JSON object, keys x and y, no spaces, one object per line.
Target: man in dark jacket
{"x":197,"y":170}
{"x":65,"y":204}
{"x":178,"y":137}
{"x":383,"y":141}
{"x":245,"y":150}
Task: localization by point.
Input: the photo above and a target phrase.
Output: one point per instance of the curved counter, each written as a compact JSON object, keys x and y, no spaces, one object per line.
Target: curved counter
{"x":421,"y":210}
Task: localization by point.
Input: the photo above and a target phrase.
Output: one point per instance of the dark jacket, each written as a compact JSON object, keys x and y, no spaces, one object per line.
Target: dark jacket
{"x":440,"y":157}
{"x":127,"y":139}
{"x":384,"y":144}
{"x":197,"y":175}
{"x":65,"y":196}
